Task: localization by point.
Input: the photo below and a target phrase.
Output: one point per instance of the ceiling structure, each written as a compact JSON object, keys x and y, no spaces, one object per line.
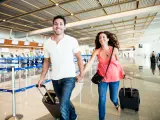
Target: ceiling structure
{"x":31,"y":15}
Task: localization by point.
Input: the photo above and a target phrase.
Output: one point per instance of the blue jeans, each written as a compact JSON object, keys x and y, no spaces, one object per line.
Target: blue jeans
{"x":102,"y":89}
{"x":63,"y":89}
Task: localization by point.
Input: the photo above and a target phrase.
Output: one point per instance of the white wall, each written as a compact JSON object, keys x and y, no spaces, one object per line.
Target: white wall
{"x":150,"y":40}
{"x":149,"y":44}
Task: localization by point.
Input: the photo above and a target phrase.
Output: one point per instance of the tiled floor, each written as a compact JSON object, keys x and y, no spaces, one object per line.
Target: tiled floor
{"x":29,"y":103}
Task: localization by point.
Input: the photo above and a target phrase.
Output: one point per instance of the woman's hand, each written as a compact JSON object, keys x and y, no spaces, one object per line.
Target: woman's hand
{"x":127,"y":77}
{"x":80,"y":77}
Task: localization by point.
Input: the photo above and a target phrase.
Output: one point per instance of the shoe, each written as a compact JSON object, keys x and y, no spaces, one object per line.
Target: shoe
{"x":76,"y":118}
{"x":117,"y":107}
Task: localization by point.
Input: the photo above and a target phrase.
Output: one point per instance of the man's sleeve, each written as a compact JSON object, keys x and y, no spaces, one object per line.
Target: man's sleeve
{"x":75,"y":46}
{"x":46,"y":53}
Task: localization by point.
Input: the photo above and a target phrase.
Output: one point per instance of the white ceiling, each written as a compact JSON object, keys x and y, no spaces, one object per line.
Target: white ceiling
{"x":31,"y":15}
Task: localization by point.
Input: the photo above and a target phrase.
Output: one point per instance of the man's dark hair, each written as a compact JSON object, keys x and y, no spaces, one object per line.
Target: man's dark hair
{"x":59,"y":17}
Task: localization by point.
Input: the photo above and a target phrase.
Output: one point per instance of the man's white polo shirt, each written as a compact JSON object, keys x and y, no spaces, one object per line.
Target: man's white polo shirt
{"x":62,"y":56}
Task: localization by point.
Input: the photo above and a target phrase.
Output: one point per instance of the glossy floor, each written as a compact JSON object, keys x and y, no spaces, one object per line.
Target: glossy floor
{"x":29,"y":103}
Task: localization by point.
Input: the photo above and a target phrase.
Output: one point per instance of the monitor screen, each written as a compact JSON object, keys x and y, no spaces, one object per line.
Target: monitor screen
{"x":5,"y":50}
{"x":14,"y":42}
{"x":26,"y":43}
{"x":39,"y":44}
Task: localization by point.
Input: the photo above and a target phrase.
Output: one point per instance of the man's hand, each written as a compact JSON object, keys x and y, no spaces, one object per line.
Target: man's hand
{"x":79,"y":77}
{"x":40,"y":82}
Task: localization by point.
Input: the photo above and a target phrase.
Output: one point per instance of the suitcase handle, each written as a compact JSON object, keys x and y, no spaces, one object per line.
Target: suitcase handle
{"x":40,"y":85}
{"x":47,"y":93}
{"x":124,"y":85}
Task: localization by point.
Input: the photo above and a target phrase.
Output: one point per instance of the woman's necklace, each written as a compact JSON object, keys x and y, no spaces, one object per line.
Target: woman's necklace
{"x":107,"y":52}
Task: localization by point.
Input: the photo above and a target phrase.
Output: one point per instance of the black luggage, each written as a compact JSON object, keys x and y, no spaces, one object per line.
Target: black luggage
{"x":129,"y":98}
{"x":51,"y":102}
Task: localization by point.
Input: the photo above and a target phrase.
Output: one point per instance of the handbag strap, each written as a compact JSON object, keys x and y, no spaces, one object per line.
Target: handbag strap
{"x":109,"y":61}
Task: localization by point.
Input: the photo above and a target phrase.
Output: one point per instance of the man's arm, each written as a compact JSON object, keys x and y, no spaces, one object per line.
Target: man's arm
{"x":45,"y":68}
{"x":80,"y":62}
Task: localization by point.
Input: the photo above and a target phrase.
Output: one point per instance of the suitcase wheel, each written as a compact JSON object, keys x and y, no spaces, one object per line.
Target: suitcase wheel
{"x":122,"y":107}
{"x":137,"y":109}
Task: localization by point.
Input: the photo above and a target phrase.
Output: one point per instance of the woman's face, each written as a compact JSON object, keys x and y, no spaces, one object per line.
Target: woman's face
{"x":103,"y":39}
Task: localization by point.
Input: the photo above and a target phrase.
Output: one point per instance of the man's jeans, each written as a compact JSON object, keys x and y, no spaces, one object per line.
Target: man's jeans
{"x":63,"y":89}
{"x":102,"y":89}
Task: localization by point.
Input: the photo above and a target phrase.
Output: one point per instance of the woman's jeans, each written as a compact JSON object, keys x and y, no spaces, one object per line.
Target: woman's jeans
{"x":63,"y":89}
{"x":102,"y":89}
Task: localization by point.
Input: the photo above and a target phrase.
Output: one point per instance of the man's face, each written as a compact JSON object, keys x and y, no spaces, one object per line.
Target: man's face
{"x":58,"y":26}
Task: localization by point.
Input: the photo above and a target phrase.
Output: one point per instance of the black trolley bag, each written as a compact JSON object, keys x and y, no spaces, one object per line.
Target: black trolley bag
{"x":50,"y":101}
{"x":129,"y":98}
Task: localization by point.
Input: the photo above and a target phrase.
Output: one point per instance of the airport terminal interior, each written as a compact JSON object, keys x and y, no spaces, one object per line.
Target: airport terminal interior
{"x":25,"y":25}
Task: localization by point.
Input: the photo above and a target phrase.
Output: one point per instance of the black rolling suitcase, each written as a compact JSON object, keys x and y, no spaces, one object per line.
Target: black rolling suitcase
{"x":51,"y":102}
{"x":129,"y":98}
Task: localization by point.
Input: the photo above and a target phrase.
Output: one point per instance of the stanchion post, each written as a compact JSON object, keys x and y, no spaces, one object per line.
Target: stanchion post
{"x":13,"y":93}
{"x":19,"y":65}
{"x":5,"y":75}
{"x":27,"y":72}
{"x":19,"y":78}
{"x":34,"y":70}
{"x":14,"y":116}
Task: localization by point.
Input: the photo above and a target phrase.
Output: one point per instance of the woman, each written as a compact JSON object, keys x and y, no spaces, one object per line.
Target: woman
{"x":105,"y":41}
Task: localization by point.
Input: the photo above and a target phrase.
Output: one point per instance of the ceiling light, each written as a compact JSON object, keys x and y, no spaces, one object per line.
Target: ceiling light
{"x":71,"y":13}
{"x":4,"y":20}
{"x":57,"y":4}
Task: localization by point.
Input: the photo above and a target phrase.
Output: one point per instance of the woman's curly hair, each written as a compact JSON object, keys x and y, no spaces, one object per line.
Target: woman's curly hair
{"x":113,"y":41}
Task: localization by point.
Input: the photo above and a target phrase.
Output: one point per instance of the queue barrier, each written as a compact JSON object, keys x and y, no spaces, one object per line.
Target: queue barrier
{"x":22,"y":89}
{"x":13,"y":91}
{"x":17,"y":69}
{"x":29,"y":60}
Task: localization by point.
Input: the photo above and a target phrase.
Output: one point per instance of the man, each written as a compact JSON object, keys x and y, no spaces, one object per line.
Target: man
{"x":153,"y":58}
{"x":60,"y":50}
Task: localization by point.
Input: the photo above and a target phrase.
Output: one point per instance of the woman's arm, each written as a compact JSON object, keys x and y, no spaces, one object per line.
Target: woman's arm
{"x":116,"y":53}
{"x":90,"y":62}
